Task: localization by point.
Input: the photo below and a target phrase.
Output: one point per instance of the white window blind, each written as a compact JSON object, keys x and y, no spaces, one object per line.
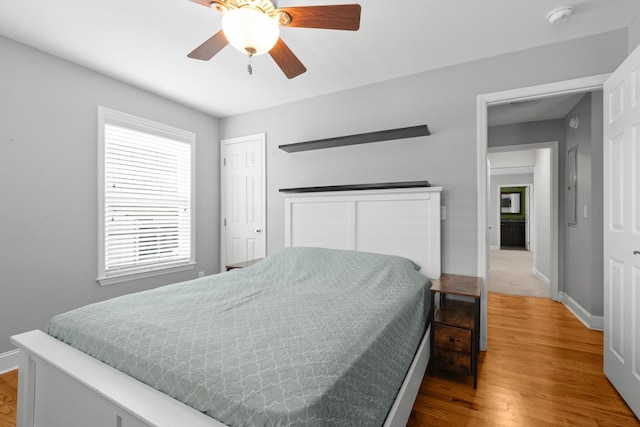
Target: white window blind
{"x":147,"y":197}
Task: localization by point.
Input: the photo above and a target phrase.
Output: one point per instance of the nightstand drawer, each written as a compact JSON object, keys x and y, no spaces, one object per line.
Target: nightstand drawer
{"x":452,"y":339}
{"x":453,"y":361}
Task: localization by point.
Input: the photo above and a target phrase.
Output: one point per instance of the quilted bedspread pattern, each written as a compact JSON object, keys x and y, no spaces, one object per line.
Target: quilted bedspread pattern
{"x":306,"y":337}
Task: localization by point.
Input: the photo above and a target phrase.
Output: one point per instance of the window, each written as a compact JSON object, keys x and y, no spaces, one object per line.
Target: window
{"x":145,"y":182}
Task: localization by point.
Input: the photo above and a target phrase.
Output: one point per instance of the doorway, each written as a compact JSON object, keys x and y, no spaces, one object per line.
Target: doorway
{"x":512,"y":212}
{"x":581,"y":85}
{"x":513,"y":215}
{"x":520,"y":237}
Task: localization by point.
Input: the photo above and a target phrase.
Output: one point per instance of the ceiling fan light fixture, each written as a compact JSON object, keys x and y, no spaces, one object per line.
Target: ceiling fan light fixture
{"x":250,"y":30}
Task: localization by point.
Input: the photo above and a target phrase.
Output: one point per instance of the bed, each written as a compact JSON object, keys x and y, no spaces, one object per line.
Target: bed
{"x":61,"y":385}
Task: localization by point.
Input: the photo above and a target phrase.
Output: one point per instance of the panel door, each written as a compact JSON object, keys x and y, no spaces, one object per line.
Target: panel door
{"x":622,"y":230}
{"x":244,"y":199}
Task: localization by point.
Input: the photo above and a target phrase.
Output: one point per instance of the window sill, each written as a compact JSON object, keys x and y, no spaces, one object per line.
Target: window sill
{"x":126,"y":277}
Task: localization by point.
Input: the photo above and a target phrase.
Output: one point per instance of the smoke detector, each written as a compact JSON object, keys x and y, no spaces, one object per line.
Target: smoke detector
{"x":559,"y":14}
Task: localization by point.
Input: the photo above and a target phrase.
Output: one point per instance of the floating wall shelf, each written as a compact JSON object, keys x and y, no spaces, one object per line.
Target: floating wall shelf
{"x":362,"y":138}
{"x":379,"y":186}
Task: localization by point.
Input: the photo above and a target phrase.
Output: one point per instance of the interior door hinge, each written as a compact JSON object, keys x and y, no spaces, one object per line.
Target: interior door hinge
{"x":225,"y":222}
{"x":224,"y":162}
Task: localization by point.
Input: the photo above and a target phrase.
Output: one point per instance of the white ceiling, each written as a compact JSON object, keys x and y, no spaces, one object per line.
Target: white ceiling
{"x":145,"y":43}
{"x":551,"y":108}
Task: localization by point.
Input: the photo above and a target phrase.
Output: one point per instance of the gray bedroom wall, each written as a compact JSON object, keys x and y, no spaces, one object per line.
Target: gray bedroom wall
{"x":48,"y":180}
{"x":634,"y":34}
{"x":445,"y":99}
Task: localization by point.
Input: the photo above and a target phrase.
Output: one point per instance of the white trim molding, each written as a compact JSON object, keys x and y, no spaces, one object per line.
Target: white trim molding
{"x":512,"y":170}
{"x":544,"y":279}
{"x":9,"y":361}
{"x":590,"y":321}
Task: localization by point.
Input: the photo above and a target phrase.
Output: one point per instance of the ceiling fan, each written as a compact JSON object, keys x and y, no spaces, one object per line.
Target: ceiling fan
{"x":252,"y":27}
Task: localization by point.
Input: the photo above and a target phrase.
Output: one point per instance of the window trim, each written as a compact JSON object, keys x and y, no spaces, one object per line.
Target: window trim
{"x":106,"y":115}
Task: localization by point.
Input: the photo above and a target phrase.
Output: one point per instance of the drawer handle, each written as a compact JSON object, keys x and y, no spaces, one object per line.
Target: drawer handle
{"x":451,"y":339}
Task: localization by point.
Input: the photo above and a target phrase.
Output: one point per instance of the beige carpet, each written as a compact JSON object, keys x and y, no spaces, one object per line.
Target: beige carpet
{"x":510,"y":272}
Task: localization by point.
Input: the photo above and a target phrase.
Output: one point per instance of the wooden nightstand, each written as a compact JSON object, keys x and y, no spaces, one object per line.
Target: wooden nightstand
{"x":242,"y":264}
{"x":455,"y":339}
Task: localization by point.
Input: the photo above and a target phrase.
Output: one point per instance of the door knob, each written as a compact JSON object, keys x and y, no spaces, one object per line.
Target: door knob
{"x":636,"y":252}
{"x":255,"y":230}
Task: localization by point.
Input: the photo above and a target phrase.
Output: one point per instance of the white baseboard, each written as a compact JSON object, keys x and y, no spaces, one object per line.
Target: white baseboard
{"x":592,"y":322}
{"x":544,"y":279}
{"x":494,"y":248}
{"x":9,"y":361}
{"x":597,"y":323}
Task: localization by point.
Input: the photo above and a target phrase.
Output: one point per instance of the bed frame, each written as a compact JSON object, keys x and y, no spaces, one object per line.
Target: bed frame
{"x":60,"y":386}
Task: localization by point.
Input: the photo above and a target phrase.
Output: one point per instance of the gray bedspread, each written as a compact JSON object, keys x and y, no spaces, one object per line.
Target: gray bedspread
{"x":306,"y":337}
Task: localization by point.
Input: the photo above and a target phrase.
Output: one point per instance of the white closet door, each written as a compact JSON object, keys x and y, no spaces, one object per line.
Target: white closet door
{"x":622,"y":230}
{"x":244,"y":218}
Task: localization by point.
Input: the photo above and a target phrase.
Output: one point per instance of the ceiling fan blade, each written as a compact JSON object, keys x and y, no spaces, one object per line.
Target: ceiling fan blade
{"x":205,"y":3}
{"x":335,"y":17}
{"x":208,"y":49}
{"x":286,"y":60}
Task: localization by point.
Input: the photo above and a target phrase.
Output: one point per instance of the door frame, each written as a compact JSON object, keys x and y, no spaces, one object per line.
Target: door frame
{"x":580,"y":85}
{"x":223,"y":189}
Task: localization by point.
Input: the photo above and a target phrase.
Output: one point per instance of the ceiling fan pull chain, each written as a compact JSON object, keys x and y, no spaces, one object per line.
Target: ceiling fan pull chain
{"x":249,"y":67}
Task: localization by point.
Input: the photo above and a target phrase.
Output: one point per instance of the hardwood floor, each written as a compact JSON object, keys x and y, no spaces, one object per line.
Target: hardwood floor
{"x":8,"y":398}
{"x":542,"y":368}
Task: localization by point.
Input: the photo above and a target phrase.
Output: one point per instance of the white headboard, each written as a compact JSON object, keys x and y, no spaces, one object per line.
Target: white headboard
{"x":401,"y":221}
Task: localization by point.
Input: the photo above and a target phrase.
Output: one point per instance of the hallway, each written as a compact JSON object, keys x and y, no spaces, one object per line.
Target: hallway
{"x":511,"y":272}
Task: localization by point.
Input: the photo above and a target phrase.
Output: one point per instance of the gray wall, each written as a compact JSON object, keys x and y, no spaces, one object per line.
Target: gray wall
{"x":583,"y":242}
{"x":634,"y":34}
{"x":48,"y":180}
{"x":445,"y":99}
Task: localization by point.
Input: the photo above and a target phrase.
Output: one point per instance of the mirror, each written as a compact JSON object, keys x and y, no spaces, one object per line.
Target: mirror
{"x":510,"y":203}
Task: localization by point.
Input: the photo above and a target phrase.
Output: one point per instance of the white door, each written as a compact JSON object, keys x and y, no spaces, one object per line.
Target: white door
{"x":243,"y":199}
{"x":622,"y":230}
